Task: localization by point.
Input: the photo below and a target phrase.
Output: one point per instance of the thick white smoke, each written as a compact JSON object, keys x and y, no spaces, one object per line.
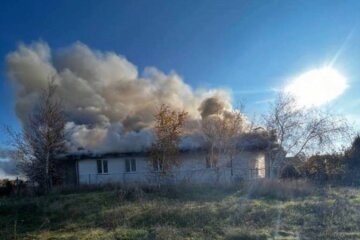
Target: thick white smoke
{"x":109,"y":105}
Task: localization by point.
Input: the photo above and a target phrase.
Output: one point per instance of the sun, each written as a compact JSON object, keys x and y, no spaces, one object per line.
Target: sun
{"x":317,"y":87}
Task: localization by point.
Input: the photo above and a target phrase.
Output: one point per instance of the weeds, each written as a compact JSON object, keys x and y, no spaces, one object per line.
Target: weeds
{"x":268,"y":210}
{"x":280,"y":189}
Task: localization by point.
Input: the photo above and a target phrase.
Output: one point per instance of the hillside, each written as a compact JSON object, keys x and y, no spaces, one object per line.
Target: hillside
{"x":262,"y":210}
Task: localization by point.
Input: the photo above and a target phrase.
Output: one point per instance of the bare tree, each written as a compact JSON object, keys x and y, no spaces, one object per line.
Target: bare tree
{"x":221,"y":132}
{"x":304,"y":131}
{"x":41,"y":140}
{"x":168,"y":130}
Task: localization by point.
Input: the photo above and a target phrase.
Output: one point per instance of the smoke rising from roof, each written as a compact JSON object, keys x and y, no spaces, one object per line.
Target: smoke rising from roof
{"x":108,"y":103}
{"x":213,"y":105}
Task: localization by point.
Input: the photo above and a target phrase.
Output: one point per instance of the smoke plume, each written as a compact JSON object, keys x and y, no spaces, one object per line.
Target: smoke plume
{"x":109,"y":105}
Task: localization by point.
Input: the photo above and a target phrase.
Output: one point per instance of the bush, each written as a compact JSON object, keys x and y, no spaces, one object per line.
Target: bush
{"x":9,"y":187}
{"x":325,"y":168}
{"x":352,"y":161}
{"x":291,"y":171}
{"x":6,"y":187}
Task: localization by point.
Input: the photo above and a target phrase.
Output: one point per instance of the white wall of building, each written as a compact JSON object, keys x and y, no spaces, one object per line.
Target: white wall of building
{"x":192,"y":169}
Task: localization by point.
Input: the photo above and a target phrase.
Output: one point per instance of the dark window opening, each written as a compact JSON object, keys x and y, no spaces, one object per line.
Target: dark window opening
{"x":105,"y":166}
{"x":133,"y":165}
{"x":130,"y":165}
{"x":102,"y":166}
{"x":127,"y":165}
{"x":99,"y":167}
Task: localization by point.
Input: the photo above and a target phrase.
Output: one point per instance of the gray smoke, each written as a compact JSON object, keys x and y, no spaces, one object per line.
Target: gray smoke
{"x":109,"y":104}
{"x":213,"y":105}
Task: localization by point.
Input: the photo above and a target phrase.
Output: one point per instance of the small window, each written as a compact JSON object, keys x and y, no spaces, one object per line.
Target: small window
{"x":130,"y":165}
{"x":133,"y":165}
{"x":127,"y":165}
{"x":102,"y":166}
{"x":99,"y":166}
{"x":105,"y":166}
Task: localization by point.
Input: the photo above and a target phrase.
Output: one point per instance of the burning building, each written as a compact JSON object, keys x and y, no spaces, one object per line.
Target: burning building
{"x":109,"y":107}
{"x":196,"y":166}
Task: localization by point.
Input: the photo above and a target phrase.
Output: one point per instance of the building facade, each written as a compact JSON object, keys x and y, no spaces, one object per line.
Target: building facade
{"x":137,"y":168}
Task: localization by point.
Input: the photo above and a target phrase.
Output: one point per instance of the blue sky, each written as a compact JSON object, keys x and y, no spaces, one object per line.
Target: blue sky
{"x":249,"y":47}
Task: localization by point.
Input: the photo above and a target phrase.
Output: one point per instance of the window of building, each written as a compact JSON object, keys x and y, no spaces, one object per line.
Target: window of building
{"x":130,"y":165}
{"x":102,"y":166}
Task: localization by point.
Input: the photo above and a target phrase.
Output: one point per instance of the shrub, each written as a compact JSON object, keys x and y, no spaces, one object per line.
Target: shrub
{"x":6,"y":187}
{"x":9,"y":187}
{"x":352,"y":161}
{"x":291,"y":171}
{"x":324,"y":168}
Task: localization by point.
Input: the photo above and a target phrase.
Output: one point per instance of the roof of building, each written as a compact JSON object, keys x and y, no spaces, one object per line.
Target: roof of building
{"x":256,"y":141}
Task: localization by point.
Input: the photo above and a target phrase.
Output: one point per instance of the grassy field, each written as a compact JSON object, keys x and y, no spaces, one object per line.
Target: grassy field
{"x":260,"y":210}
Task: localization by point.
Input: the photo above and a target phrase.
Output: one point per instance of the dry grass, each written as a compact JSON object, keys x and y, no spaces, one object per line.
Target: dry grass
{"x":261,"y":210}
{"x":280,"y":189}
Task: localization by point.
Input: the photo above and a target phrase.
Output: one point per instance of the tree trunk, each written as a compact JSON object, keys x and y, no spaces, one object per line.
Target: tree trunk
{"x":231,"y":165}
{"x":47,"y":173}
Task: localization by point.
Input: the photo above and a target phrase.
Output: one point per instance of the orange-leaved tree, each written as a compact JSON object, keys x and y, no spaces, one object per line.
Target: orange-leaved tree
{"x":168,"y":131}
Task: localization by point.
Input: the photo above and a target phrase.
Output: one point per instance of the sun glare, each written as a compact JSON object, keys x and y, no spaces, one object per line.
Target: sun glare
{"x":317,"y":87}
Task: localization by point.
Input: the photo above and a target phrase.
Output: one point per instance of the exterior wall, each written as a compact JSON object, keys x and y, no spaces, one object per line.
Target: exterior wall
{"x":116,"y":171}
{"x":249,"y":165}
{"x":246,"y":165}
{"x":194,"y":169}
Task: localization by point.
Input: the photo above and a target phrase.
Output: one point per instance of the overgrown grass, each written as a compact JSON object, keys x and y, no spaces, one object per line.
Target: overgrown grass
{"x":280,"y":189}
{"x":257,"y":210}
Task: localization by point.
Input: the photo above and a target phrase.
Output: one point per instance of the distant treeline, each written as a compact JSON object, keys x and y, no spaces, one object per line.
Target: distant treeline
{"x":338,"y":168}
